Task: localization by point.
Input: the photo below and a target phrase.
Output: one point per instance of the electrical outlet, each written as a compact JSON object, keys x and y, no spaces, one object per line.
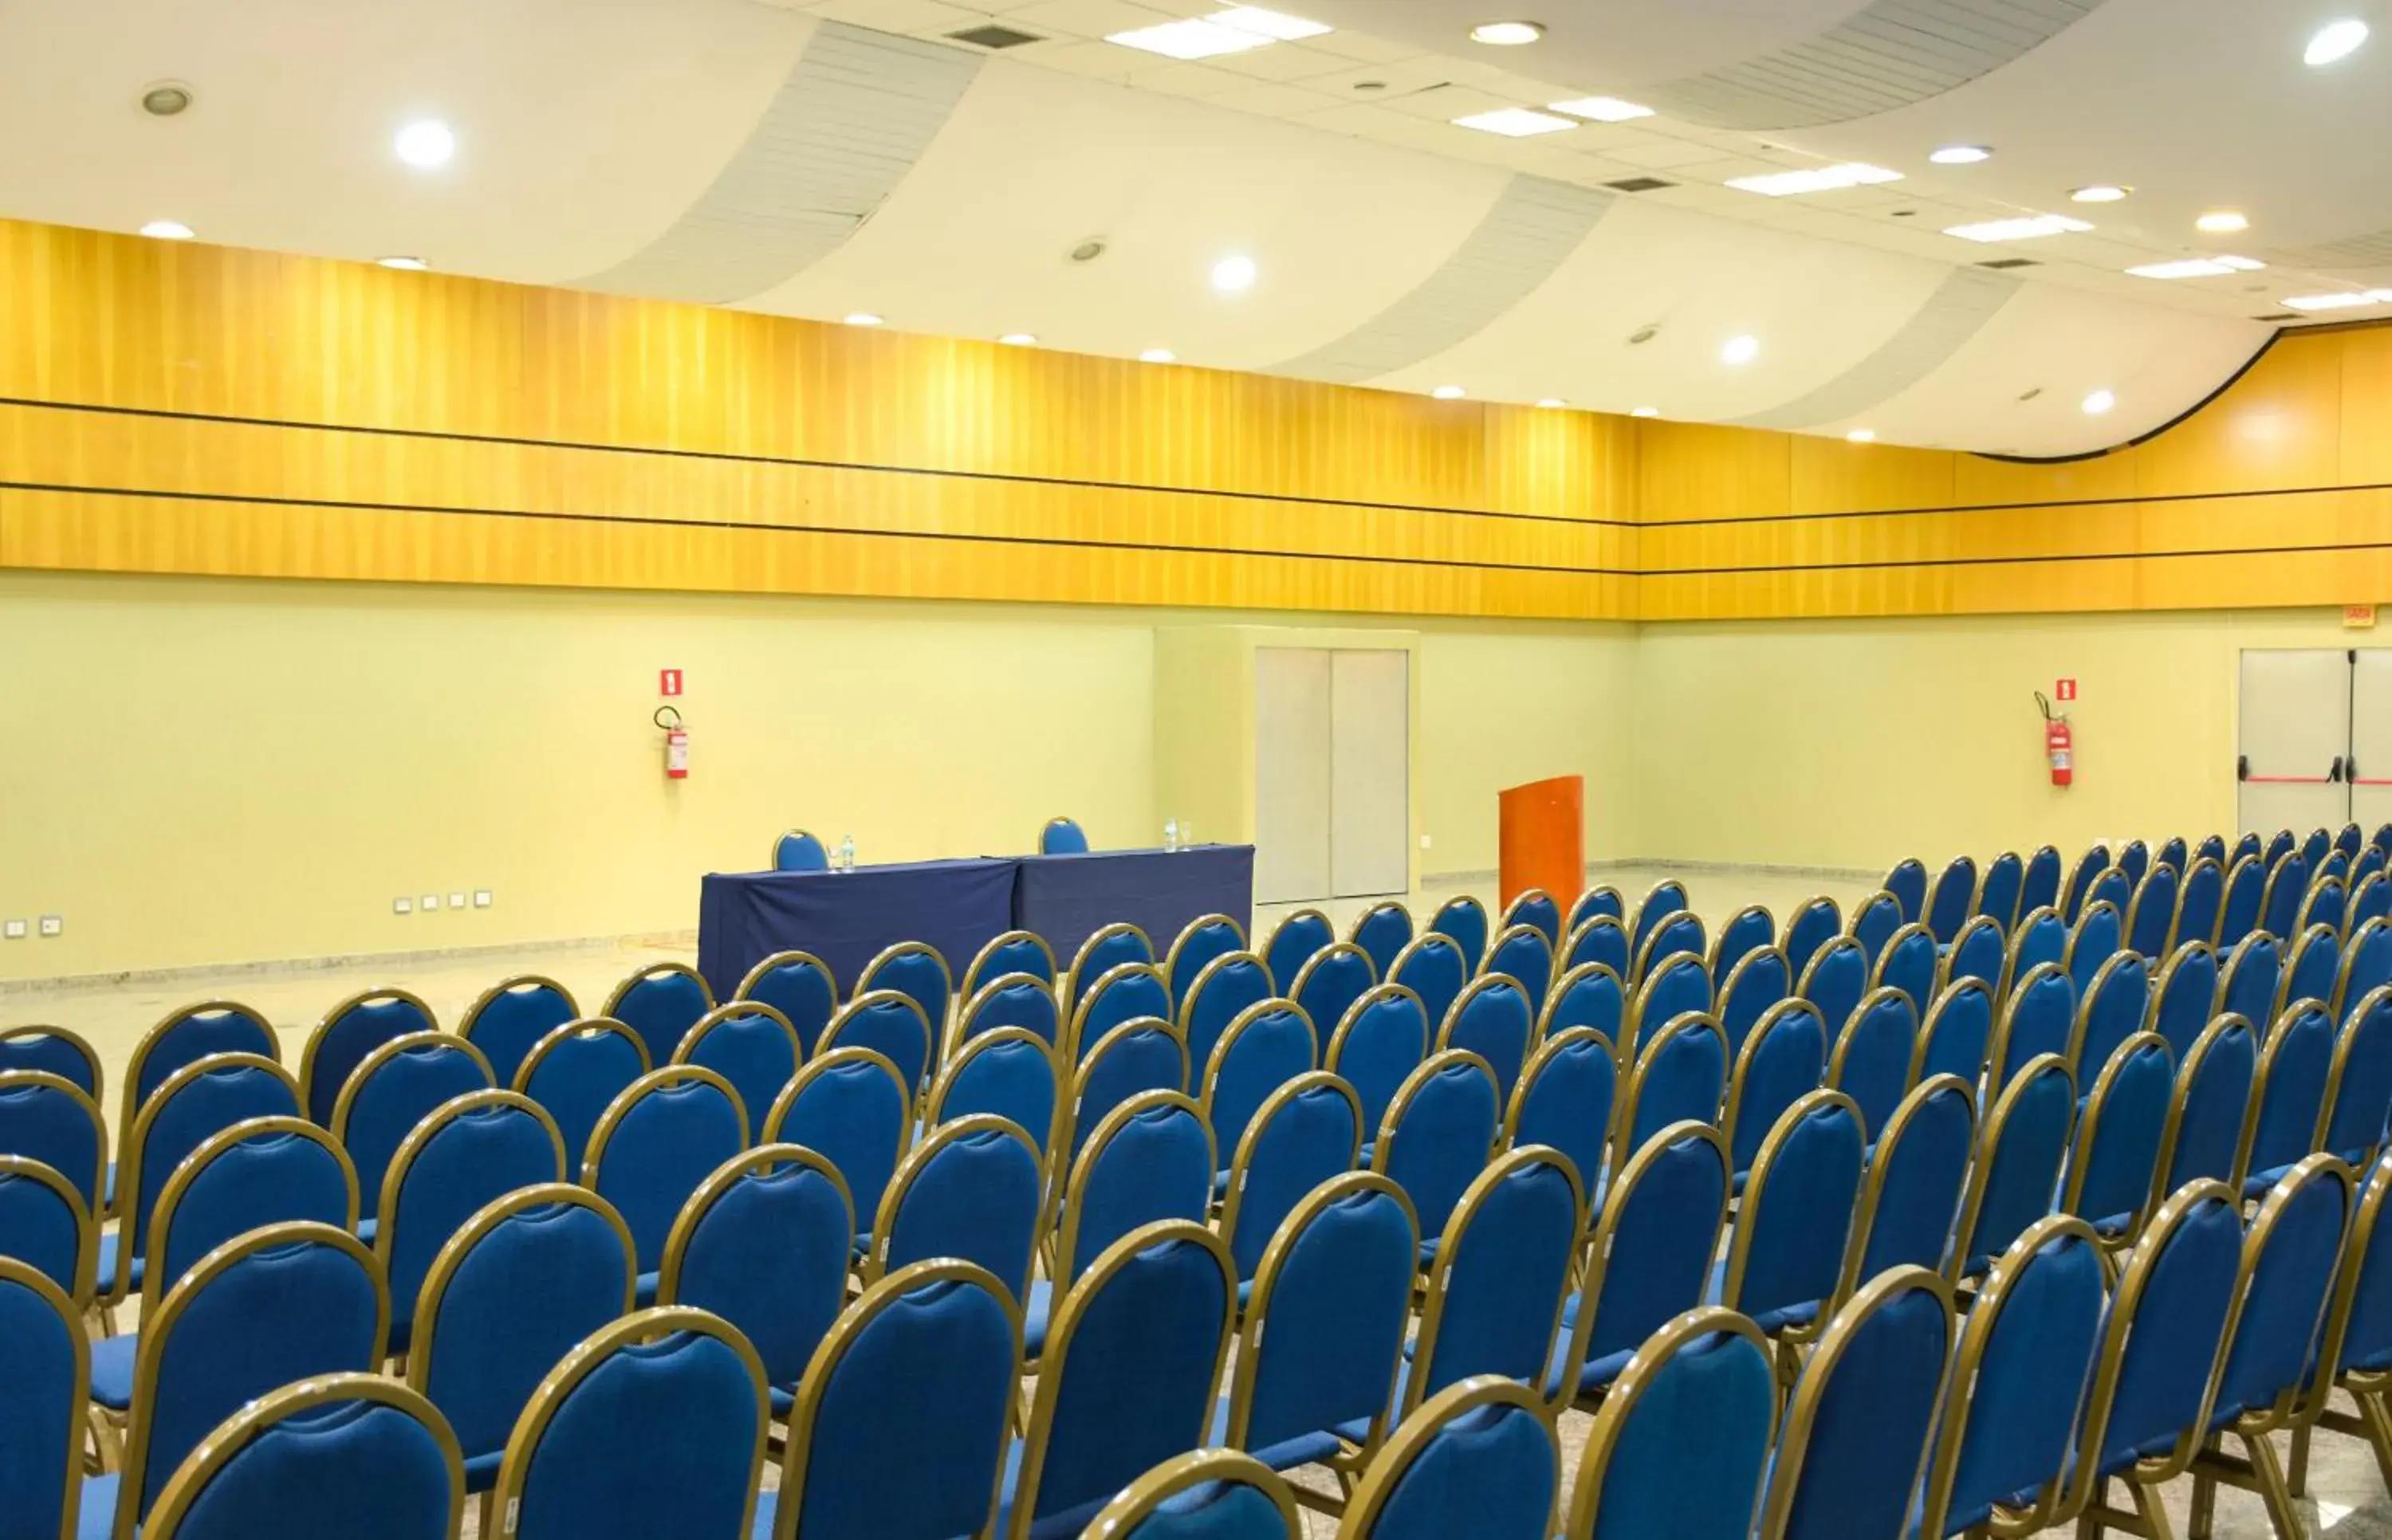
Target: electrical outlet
{"x":481,"y":897}
{"x":429,"y":903}
{"x":455,"y":900}
{"x":402,"y":906}
{"x":53,"y":924}
{"x":1423,"y":842}
{"x":14,"y":930}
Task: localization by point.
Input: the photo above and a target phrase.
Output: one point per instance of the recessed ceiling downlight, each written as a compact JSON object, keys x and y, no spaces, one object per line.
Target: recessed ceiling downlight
{"x":2334,"y":41}
{"x":403,"y":263}
{"x":1961,"y":155}
{"x":1862,"y":435}
{"x":1506,"y":34}
{"x":1158,"y":356}
{"x":167,"y":99}
{"x":1448,"y":393}
{"x":1737,"y":352}
{"x":1234,"y":274}
{"x":425,"y":144}
{"x":1644,"y":411}
{"x":1552,"y":401}
{"x":2099,"y":192}
{"x":2222,"y":222}
{"x":2099,"y":402}
{"x":1018,"y":339}
{"x":862,"y":317}
{"x":166,"y":229}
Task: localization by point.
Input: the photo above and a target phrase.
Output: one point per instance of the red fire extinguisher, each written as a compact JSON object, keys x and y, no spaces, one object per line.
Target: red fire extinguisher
{"x":676,"y":743}
{"x":2059,"y":743}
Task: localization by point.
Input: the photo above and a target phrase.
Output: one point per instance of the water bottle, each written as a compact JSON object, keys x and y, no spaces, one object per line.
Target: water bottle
{"x":1171,"y":833}
{"x":847,"y":853}
{"x":1187,"y":836}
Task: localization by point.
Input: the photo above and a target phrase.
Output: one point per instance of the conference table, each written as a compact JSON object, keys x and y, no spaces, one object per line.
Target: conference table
{"x":846,"y":918}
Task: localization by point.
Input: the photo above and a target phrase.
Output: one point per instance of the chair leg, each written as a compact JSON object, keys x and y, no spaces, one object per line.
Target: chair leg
{"x":2089,"y":1523}
{"x":2296,"y":1469}
{"x":2377,"y":1420}
{"x":2202,"y":1512}
{"x":2273,"y":1489}
{"x":107,"y":1439}
{"x":2154,"y":1512}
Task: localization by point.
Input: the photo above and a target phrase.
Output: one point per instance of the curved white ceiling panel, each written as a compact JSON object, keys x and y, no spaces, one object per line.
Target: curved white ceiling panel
{"x":1958,"y":309}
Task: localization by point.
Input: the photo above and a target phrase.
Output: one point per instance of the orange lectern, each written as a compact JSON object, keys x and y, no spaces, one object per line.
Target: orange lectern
{"x":1544,"y":838}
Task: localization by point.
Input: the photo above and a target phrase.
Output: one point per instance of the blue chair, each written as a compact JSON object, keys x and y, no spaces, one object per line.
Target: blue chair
{"x":464,"y":1154}
{"x":44,"y":1363}
{"x":1997,"y":895}
{"x":1565,"y":1100}
{"x":1383,"y":931}
{"x":1649,"y":1259}
{"x":1673,"y":935}
{"x":2253,"y":982}
{"x":764,"y":1243}
{"x":972,"y":1190}
{"x":851,"y":1107}
{"x":2015,"y":1176}
{"x":1980,"y":952}
{"x":2209,"y":1120}
{"x":2162,"y":1343}
{"x":2294,"y":1065}
{"x":1145,"y":1055}
{"x":2350,"y":839}
{"x":1130,"y":991}
{"x":654,"y":1425}
{"x":921,"y":974}
{"x":1437,"y":1135}
{"x":2201,"y":902}
{"x":200,"y":1101}
{"x":1462,"y":921}
{"x":2081,"y":878}
{"x":929,"y":1358}
{"x":2280,"y":903}
{"x":2184,"y":997}
{"x":1812,"y":924}
{"x":656,"y":1144}
{"x":2041,"y":937}
{"x":1534,"y":908}
{"x":2114,"y":887}
{"x":2311,"y":967}
{"x":280,"y":1304}
{"x":2356,"y":1340}
{"x":1106,"y":948}
{"x":1230,"y":986}
{"x":49,"y":1119}
{"x":2099,"y":935}
{"x":1873,"y":1055}
{"x":1958,"y":1033}
{"x":2366,"y":965}
{"x":1202,"y":1495}
{"x":1331,"y":981}
{"x":2328,"y":904}
{"x":2370,"y":897}
{"x":1010,"y":999}
{"x":1746,"y":931}
{"x":1600,"y":900}
{"x":1014,"y":951}
{"x":1434,"y":968}
{"x":1588,"y":996}
{"x":1151,"y":1162}
{"x":259,"y":1171}
{"x":338,"y":1454}
{"x":1662,"y":900}
{"x":1307,"y":1131}
{"x":511,"y":1015}
{"x":1681,"y":1075}
{"x":1791,"y":1244}
{"x":1127,"y":1378}
{"x":1063,"y":836}
{"x":1911,"y":963}
{"x":1523,"y":954}
{"x":2151,"y":914}
{"x":1681,"y":1444}
{"x":1009,"y":1072}
{"x":1294,"y":943}
{"x":525,"y":1278}
{"x":393,"y":1089}
{"x":1875,"y":919}
{"x":2238,"y":913}
{"x":1763,"y":979}
{"x":349,"y":1031}
{"x":2135,"y":860}
{"x":1952,"y":900}
{"x":2039,"y":889}
{"x":1383,"y":1037}
{"x":1855,"y":1442}
{"x":1680,"y":986}
{"x":796,"y":850}
{"x":1783,"y":1059}
{"x":53,"y":1051}
{"x":1907,"y":884}
{"x":2115,"y":1004}
{"x":1478,"y":1459}
{"x":1323,"y":1333}
{"x":799,"y":986}
{"x":2026,"y":1350}
{"x":2279,"y":844}
{"x":181,"y":1038}
{"x":1495,"y":1018}
{"x":1264,"y":1049}
{"x":2359,"y":1088}
{"x":2112,"y":1170}
{"x":1835,"y":981}
{"x":46,"y":1224}
{"x":754,"y":1049}
{"x":1916,"y":1177}
{"x":1207,"y":937}
{"x":2174,"y":852}
{"x":890,"y":1024}
{"x":2247,"y":844}
{"x":2039,"y":1019}
{"x":1494,"y":1298}
{"x":1601,"y":939}
{"x":574,"y":1072}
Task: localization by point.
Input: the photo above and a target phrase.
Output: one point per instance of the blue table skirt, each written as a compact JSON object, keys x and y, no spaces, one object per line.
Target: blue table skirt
{"x":1066,"y":897}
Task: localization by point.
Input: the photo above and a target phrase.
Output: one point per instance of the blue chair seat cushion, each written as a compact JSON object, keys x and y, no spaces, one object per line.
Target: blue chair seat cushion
{"x":1055,"y":1526}
{"x":111,"y":1370}
{"x":1286,"y":1454}
{"x":1034,"y":1310}
{"x":109,"y":1240}
{"x":366,"y":1228}
{"x":98,"y":1517}
{"x":482,"y":1470}
{"x":644,"y":1293}
{"x":1767,"y":1320}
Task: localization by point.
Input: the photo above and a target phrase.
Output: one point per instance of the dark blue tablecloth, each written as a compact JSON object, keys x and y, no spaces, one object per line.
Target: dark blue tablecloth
{"x":847,"y":918}
{"x":1065,"y":898}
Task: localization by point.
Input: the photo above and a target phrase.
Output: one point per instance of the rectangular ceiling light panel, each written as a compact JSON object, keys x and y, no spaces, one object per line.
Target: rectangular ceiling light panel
{"x":1786,"y":183}
{"x":2196,"y":267}
{"x":1601,"y":109}
{"x":1514,"y":123}
{"x":2029,"y":229}
{"x":1271,"y":24}
{"x":1191,"y":40}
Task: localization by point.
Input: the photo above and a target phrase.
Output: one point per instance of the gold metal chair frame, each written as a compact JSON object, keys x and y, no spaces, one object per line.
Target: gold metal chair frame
{"x":1739,"y":1073}
{"x":526,"y":982}
{"x":934,"y":1103}
{"x":735,"y":1010}
{"x":1413,"y":1436}
{"x":2087,"y":1139}
{"x":1439,"y":1063}
{"x":654,"y":1083}
{"x":1074,"y":1041}
{"x":655,"y":970}
{"x":2027,"y":923}
{"x":2187,"y":1076}
{"x":587,"y":1026}
{"x":84,"y":1281}
{"x":728,"y":1176}
{"x":1991,"y":1133}
{"x":1586,"y":927}
{"x":314,"y":1046}
{"x":779,"y":960}
{"x":1065,"y":1232}
{"x":1739,"y":1246}
{"x":1170,"y":963}
{"x":1646,"y":961}
{"x":871,"y":1000}
{"x":1140,"y":1499}
{"x":97,"y":1210}
{"x":129,"y":1200}
{"x":1068,"y":990}
{"x":1562,"y":987}
{"x":1376,"y":995}
{"x":1314,"y":963}
{"x":1633,"y":1032}
{"x":1185,"y":1012}
{"x":917,"y":1161}
{"x":1612,"y":1416}
{"x":972,"y":1008}
{"x":1769,"y":929}
{"x":1840,"y":1050}
{"x":1632,"y":1094}
{"x":70,"y":1312}
{"x":383,"y":1053}
{"x":1571,"y":917}
{"x":1241,"y":1161}
{"x":1475,"y":1197}
{"x":1064,"y":819}
{"x":976,"y":974}
{"x":155,"y":1283}
{"x":1240,"y":1025}
{"x":1545,"y":1052}
{"x":1931,"y":1022}
{"x":1884,"y":1157}
{"x":1997,"y":1049}
{"x":74,"y":1040}
{"x":823,"y":1064}
{"x":128,"y":1105}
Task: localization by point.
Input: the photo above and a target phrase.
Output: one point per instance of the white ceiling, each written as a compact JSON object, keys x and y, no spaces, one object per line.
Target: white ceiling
{"x":776,"y":157}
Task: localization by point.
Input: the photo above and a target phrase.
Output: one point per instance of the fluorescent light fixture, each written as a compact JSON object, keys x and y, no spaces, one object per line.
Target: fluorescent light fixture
{"x":2027,"y":228}
{"x":166,"y":229}
{"x":425,"y":144}
{"x":1448,"y":393}
{"x":2222,"y":222}
{"x":2335,"y":40}
{"x":1271,"y":24}
{"x":1506,"y":34}
{"x":2099,"y":192}
{"x":1233,"y":273}
{"x":1601,"y":109}
{"x":2350,"y":299}
{"x":2100,"y":402}
{"x":1783,"y":184}
{"x":1018,"y":339}
{"x":864,"y":318}
{"x":403,"y":263}
{"x":1739,"y":351}
{"x":1961,"y":155}
{"x":1862,"y":435}
{"x":1189,"y":40}
{"x":1158,"y":356}
{"x":1552,"y":401}
{"x":1644,"y":411}
{"x":2196,"y":267}
{"x":1514,"y":123}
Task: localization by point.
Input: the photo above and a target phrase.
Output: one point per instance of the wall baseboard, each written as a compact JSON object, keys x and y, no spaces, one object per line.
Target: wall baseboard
{"x":680,"y":940}
{"x":1665,"y":866}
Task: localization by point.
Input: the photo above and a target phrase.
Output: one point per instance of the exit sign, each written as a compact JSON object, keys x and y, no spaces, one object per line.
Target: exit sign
{"x":2358,"y":617}
{"x":2066,"y":689}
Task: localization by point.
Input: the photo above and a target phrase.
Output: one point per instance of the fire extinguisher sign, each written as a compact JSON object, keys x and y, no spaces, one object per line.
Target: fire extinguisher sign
{"x":669,"y":681}
{"x":2064,"y":689}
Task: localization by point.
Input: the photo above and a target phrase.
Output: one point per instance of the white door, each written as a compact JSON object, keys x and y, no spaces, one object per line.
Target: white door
{"x":2294,"y":738}
{"x":1370,"y":757}
{"x":1292,"y":775}
{"x":2371,"y":739}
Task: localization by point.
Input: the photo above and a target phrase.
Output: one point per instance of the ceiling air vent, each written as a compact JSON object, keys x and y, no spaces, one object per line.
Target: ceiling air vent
{"x":1639,"y":184}
{"x":994,"y":36}
{"x":2005,"y":263}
